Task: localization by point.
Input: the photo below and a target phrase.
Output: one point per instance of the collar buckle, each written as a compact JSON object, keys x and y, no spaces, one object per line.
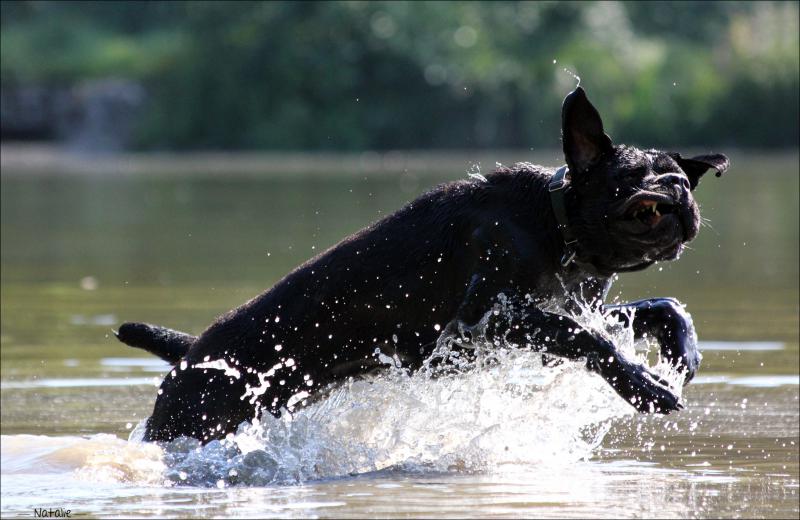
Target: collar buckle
{"x":558,"y":181}
{"x":556,"y":185}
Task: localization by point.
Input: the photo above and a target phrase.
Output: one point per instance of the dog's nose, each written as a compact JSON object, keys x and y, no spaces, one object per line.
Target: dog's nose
{"x":674,"y":179}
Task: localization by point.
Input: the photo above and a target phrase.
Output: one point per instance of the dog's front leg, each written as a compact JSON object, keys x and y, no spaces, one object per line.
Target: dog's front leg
{"x":667,"y":321}
{"x":497,"y":263}
{"x":562,"y":336}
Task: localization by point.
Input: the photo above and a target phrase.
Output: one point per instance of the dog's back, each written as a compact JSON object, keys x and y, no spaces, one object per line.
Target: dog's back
{"x":389,"y":288}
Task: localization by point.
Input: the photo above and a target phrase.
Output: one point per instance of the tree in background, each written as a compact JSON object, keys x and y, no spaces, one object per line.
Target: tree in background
{"x":380,"y":75}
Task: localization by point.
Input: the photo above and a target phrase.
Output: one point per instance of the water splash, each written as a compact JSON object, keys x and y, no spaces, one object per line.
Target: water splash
{"x":474,"y":172}
{"x":577,"y":78}
{"x":487,"y":407}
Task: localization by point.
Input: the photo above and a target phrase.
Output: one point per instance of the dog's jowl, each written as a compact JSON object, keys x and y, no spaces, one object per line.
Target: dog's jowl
{"x":436,"y":266}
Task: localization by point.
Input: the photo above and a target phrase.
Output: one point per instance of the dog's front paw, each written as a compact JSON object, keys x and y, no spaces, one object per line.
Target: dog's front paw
{"x":644,"y":390}
{"x":648,"y":393}
{"x":688,"y":361}
{"x":678,"y":337}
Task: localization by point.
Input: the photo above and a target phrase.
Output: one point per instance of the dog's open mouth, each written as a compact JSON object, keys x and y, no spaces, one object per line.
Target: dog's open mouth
{"x":649,"y":212}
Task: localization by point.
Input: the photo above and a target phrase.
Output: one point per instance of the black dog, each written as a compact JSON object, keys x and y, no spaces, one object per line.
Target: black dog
{"x":440,"y":263}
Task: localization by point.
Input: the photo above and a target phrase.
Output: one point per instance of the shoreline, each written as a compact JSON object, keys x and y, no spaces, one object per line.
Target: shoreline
{"x":37,"y":159}
{"x":17,"y":159}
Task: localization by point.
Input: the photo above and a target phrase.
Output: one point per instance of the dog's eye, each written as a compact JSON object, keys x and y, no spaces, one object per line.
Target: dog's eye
{"x":635,"y":173}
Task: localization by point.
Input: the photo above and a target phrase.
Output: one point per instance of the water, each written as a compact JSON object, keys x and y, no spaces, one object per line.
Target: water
{"x":80,"y":254}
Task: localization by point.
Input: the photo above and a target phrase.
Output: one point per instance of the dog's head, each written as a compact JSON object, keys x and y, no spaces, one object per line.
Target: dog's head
{"x":629,"y":207}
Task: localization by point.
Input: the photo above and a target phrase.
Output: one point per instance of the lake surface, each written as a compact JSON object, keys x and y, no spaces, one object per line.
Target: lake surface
{"x":83,"y":253}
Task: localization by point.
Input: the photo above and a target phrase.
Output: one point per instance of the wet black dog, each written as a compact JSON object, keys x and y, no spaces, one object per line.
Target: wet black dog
{"x":440,"y":263}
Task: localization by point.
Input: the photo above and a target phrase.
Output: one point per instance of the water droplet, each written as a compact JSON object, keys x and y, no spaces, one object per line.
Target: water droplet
{"x":89,"y":283}
{"x":578,"y":78}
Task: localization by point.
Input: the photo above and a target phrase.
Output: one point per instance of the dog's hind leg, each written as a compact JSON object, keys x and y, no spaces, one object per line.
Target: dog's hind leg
{"x":170,"y":345}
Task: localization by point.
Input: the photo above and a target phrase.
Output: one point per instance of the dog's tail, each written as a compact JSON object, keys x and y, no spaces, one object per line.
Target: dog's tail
{"x":170,"y":345}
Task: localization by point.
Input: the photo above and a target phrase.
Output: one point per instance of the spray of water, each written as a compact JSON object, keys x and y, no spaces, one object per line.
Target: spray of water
{"x":466,"y":410}
{"x":474,"y":172}
{"x":577,"y":78}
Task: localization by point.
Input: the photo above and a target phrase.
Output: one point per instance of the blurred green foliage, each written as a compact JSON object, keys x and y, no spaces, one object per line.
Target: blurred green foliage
{"x":379,"y":75}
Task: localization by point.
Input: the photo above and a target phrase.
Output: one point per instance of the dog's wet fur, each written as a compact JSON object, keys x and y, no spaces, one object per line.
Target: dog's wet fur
{"x":436,"y":267}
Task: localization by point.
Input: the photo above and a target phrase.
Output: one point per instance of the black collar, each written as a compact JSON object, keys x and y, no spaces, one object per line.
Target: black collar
{"x":558,"y":187}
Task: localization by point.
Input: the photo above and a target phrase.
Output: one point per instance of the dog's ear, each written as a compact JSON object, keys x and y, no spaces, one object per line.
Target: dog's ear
{"x":584,"y":140}
{"x":696,"y":166}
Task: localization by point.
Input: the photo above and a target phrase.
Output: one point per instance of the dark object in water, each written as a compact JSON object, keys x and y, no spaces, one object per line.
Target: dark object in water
{"x":440,"y":262}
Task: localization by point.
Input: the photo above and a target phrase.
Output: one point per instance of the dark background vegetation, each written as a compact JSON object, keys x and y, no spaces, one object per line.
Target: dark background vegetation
{"x":396,"y":75}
